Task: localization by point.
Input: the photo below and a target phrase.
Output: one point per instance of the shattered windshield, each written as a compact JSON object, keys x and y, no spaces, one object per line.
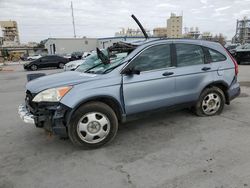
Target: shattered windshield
{"x":93,"y":64}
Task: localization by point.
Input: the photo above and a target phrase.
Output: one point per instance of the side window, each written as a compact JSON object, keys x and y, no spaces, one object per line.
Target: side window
{"x":44,"y":59}
{"x":156,"y":57}
{"x":189,"y":54}
{"x":56,"y":58}
{"x":216,"y":56}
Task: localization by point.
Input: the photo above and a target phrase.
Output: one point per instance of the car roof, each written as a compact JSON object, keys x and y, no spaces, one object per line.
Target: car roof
{"x":52,"y":55}
{"x":151,"y":41}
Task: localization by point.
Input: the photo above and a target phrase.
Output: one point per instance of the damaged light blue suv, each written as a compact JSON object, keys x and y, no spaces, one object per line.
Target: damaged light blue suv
{"x":88,"y":104}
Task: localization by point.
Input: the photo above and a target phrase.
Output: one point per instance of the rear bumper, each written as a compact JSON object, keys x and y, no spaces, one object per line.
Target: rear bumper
{"x":234,"y":91}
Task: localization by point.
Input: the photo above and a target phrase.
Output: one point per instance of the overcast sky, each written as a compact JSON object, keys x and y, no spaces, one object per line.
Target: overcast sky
{"x":41,"y":19}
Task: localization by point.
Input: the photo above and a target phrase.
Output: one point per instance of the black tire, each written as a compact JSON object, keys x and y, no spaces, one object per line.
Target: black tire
{"x":199,"y":107}
{"x":92,"y":107}
{"x":60,"y":65}
{"x":33,"y":67}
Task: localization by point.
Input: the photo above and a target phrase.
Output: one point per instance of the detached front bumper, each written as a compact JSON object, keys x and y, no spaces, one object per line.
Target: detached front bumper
{"x":49,"y":117}
{"x":25,"y":115}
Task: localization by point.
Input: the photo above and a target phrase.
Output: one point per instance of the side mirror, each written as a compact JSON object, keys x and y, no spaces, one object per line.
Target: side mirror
{"x":131,"y":71}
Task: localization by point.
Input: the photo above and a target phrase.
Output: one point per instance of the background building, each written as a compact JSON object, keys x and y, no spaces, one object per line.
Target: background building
{"x":160,"y":32}
{"x":242,"y":31}
{"x":10,"y":33}
{"x":174,"y":26}
{"x":129,"y":32}
{"x":193,"y":33}
{"x":207,"y":36}
{"x":69,"y":45}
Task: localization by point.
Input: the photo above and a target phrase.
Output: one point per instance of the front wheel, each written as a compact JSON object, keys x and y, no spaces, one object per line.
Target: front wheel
{"x":211,"y":102}
{"x":60,"y":65}
{"x":33,"y":67}
{"x":93,"y":125}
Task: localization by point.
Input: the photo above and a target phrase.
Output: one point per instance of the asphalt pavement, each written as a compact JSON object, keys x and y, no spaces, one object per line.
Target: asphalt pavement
{"x":169,"y":149}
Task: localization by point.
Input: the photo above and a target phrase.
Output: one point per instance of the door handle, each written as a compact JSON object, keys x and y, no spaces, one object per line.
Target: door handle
{"x":206,"y":68}
{"x":167,"y":73}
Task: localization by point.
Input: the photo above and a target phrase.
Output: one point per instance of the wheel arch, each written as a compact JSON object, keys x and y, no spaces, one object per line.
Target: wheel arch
{"x":222,"y":85}
{"x":108,"y":100}
{"x":36,"y":64}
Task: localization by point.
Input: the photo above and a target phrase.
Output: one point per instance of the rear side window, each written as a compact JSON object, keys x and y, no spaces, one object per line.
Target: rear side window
{"x":189,"y":54}
{"x":216,"y":56}
{"x":55,"y":57}
{"x":155,"y":57}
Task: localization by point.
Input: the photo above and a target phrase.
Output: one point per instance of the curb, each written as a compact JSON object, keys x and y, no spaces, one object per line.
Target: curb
{"x":6,"y":70}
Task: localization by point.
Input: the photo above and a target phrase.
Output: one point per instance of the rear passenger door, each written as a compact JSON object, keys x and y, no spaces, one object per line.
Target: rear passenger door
{"x":193,"y":71}
{"x":54,"y":61}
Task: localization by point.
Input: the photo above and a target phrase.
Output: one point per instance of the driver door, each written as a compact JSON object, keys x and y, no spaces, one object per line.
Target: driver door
{"x":154,"y":87}
{"x":44,"y":62}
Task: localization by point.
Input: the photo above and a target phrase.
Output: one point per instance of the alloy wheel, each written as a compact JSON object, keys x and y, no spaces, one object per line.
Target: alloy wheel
{"x":211,"y":103}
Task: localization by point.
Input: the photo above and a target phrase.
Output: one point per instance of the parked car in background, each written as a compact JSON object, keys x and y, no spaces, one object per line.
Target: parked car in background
{"x":231,"y":47}
{"x":34,"y":57}
{"x":242,"y":54}
{"x":243,"y":47}
{"x":76,"y":56}
{"x":67,"y":56}
{"x":24,"y":57}
{"x":72,"y":65}
{"x":45,"y":62}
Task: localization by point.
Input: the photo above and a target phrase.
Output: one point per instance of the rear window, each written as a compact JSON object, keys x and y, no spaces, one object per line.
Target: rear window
{"x":216,"y":56}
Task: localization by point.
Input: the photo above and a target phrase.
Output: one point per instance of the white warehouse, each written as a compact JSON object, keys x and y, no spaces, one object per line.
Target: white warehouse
{"x":69,"y":45}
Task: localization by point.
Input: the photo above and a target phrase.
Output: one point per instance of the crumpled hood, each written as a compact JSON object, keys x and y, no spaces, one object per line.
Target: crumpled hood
{"x":59,"y":79}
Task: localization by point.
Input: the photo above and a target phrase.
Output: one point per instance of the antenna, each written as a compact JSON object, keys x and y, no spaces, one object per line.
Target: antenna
{"x":73,"y":19}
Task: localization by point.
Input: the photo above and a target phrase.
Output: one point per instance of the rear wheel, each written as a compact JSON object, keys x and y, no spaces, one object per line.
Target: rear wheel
{"x":211,"y":102}
{"x":33,"y":67}
{"x":93,"y":125}
{"x":61,"y":65}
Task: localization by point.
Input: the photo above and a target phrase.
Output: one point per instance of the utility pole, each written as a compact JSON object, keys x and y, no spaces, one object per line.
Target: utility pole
{"x":73,"y":19}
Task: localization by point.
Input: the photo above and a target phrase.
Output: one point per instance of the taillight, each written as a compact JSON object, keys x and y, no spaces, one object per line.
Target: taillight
{"x":236,"y":67}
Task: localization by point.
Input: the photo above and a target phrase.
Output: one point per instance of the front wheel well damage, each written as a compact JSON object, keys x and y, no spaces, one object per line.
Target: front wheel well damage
{"x":112,"y":103}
